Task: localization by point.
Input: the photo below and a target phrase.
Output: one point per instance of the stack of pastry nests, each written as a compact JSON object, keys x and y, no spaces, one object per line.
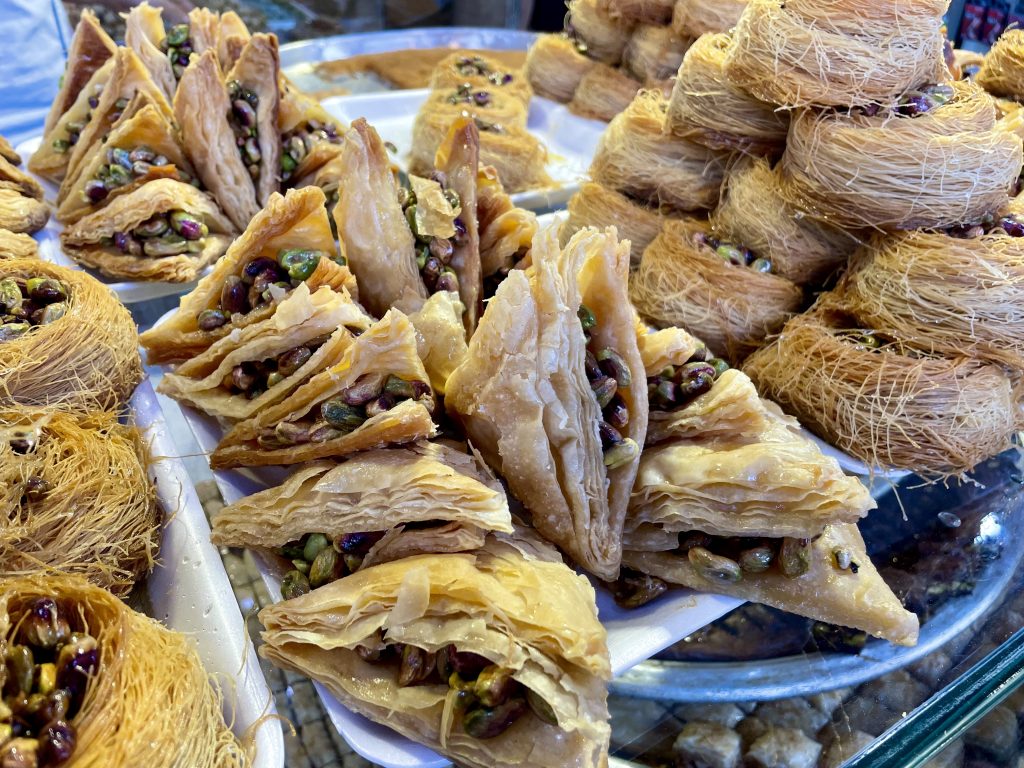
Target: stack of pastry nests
{"x":610,"y":49}
{"x":166,"y":147}
{"x":811,"y":149}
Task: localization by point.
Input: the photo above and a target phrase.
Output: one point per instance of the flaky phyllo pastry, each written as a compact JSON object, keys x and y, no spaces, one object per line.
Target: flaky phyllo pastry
{"x":377,"y":394}
{"x":164,"y":230}
{"x":90,"y":49}
{"x":552,"y":392}
{"x":734,"y":499}
{"x":263,"y":363}
{"x":493,"y":658}
{"x":210,"y":140}
{"x":506,"y":232}
{"x":142,"y":148}
{"x":377,"y":506}
{"x":310,"y":137}
{"x":287,"y":243}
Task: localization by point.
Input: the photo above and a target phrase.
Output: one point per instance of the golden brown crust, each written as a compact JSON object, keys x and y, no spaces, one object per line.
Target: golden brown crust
{"x":693,"y":18}
{"x":654,"y":53}
{"x":147,"y":127}
{"x":506,"y":232}
{"x":257,"y":69}
{"x":555,"y":67}
{"x":209,"y":141}
{"x":90,"y":48}
{"x":603,"y":92}
{"x":143,"y":33}
{"x":7,"y":152}
{"x":596,"y":205}
{"x":386,"y":348}
{"x":605,"y":38}
{"x":860,"y":600}
{"x":295,"y":220}
{"x":525,"y":402}
{"x":534,"y":617}
{"x":21,"y":214}
{"x":453,"y":71}
{"x":15,"y":245}
{"x":12,"y":177}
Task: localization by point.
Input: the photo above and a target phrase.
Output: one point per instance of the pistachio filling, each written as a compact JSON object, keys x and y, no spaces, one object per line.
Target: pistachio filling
{"x":1011,"y":224}
{"x":465,"y":94}
{"x":318,"y":560}
{"x":298,"y":143}
{"x":371,"y":395}
{"x":259,"y":281}
{"x":732,"y":253}
{"x":678,"y":386}
{"x":123,"y":167}
{"x":74,"y":128}
{"x":608,"y":374}
{"x":45,"y":676}
{"x":570,"y":31}
{"x":244,"y":103}
{"x":487,"y":696}
{"x":177,"y":46}
{"x":863,"y":339}
{"x":912,"y":103}
{"x":27,"y":303}
{"x":469,"y":66}
{"x":164,"y":234}
{"x":486,"y":125}
{"x":254,"y":378}
{"x":433,"y":254}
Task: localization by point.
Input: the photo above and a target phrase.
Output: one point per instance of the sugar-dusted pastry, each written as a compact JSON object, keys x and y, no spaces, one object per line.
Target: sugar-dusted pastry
{"x":19,"y":213}
{"x":310,"y":137}
{"x":164,"y":230}
{"x":289,"y":240}
{"x":830,"y":578}
{"x":50,"y":160}
{"x":372,"y":226}
{"x":377,"y":394}
{"x":144,"y":33}
{"x":128,"y":79}
{"x":263,"y":363}
{"x":552,"y":394}
{"x":142,"y":148}
{"x":603,"y":92}
{"x":210,"y":139}
{"x":482,"y":73}
{"x":506,"y":231}
{"x":91,"y":47}
{"x":252,"y":88}
{"x":493,"y":658}
{"x":377,"y":506}
{"x":555,"y":64}
{"x":16,"y":245}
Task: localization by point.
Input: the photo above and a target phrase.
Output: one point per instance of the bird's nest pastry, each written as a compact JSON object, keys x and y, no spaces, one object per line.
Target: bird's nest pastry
{"x":881,"y":402}
{"x":120,"y":690}
{"x":603,"y":92}
{"x":603,"y":37}
{"x":65,"y":340}
{"x":595,"y":205}
{"x":693,"y":18}
{"x":164,"y":230}
{"x":707,"y":108}
{"x":1002,"y":70}
{"x":76,"y":498}
{"x":555,"y":66}
{"x":722,"y":291}
{"x":637,"y":157}
{"x":854,"y":169}
{"x":839,"y":53}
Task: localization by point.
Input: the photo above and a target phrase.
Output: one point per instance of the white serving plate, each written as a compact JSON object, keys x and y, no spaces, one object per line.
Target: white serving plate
{"x":571,"y":140}
{"x":189,"y":591}
{"x":128,"y":291}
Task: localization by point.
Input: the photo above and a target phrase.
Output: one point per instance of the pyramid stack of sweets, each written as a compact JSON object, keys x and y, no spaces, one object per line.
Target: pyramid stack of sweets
{"x":877,"y":176}
{"x":610,"y":49}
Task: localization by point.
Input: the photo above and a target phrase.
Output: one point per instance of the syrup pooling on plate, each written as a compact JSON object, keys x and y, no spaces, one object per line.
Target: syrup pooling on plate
{"x":28,"y":303}
{"x":262,"y":281}
{"x":46,"y":673}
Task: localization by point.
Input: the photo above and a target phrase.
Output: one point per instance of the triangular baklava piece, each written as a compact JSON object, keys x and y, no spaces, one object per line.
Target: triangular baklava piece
{"x":506,"y":231}
{"x":553,"y":394}
{"x":493,"y":658}
{"x":286,"y":243}
{"x":164,"y":230}
{"x":90,"y":49}
{"x":141,"y":148}
{"x":144,"y":33}
{"x":245,"y":372}
{"x":252,"y":88}
{"x":310,"y":136}
{"x":376,"y":394}
{"x":205,"y":115}
{"x":375,"y":507}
